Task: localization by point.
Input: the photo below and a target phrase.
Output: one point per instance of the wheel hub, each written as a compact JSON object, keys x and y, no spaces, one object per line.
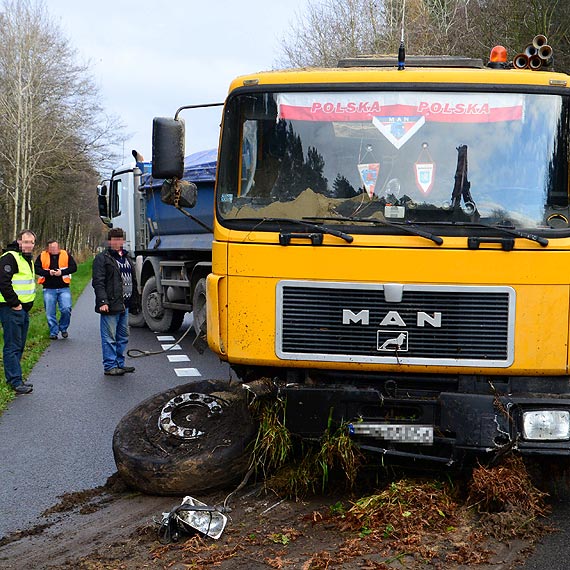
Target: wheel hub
{"x":154,"y":305}
{"x":178,"y":416}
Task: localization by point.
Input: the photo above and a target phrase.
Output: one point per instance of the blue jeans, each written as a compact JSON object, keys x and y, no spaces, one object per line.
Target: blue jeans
{"x":114,"y":339}
{"x":53,"y":298}
{"x":15,"y":325}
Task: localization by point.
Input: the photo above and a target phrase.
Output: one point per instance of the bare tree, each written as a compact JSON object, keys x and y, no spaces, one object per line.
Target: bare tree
{"x":50,"y":117}
{"x":332,"y":29}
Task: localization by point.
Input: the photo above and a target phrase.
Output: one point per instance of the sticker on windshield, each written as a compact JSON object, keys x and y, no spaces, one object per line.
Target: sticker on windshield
{"x":369,"y":176}
{"x":398,"y":129}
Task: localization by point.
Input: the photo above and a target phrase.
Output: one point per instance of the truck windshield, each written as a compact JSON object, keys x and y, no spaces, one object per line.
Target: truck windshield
{"x":404,"y":157}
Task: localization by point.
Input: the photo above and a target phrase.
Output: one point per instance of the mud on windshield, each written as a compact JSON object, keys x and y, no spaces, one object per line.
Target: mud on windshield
{"x":434,"y":158}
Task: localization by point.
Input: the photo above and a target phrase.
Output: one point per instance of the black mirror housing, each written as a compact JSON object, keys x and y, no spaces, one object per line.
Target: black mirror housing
{"x":167,"y":147}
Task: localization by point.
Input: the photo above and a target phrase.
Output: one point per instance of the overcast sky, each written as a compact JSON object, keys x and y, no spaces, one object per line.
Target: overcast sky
{"x":150,"y":57}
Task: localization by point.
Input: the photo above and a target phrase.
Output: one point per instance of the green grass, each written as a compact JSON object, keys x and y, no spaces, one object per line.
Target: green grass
{"x":38,"y":333}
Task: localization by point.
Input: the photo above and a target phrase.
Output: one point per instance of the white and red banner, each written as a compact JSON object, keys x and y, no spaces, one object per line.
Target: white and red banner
{"x":389,"y":106}
{"x":369,"y":176}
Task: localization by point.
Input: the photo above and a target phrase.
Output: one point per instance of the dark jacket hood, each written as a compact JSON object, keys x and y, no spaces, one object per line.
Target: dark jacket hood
{"x":11,"y":247}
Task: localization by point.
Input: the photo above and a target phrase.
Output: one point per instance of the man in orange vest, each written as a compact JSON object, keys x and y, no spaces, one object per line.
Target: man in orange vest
{"x":54,"y":267}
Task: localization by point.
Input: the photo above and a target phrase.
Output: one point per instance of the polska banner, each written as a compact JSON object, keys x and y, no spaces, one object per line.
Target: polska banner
{"x":386,"y":107}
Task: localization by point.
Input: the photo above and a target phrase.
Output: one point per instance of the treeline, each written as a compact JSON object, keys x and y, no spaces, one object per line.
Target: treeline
{"x":328,"y":30}
{"x":53,"y":132}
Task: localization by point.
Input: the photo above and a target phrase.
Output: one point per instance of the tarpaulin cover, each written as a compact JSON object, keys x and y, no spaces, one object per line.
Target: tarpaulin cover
{"x":198,"y":167}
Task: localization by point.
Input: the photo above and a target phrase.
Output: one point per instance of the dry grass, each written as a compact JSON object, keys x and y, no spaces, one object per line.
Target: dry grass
{"x":506,"y":487}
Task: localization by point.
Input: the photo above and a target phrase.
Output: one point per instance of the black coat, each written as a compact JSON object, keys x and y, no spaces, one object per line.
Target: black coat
{"x":108,"y":284}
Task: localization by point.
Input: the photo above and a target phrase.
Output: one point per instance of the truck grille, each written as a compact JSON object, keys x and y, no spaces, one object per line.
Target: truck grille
{"x":437,"y":325}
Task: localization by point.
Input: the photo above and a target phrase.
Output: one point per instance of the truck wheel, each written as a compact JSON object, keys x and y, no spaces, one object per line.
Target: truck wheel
{"x":156,"y":316}
{"x":137,"y":321}
{"x":199,"y":307}
{"x":186,"y":440}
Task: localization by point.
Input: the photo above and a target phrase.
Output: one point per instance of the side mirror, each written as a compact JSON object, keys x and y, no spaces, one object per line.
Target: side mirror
{"x":103,"y":203}
{"x":167,"y":148}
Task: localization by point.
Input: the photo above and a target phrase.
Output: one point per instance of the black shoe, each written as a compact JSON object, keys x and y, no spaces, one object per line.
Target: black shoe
{"x":64,"y":334}
{"x":53,"y":336}
{"x":128,"y":368}
{"x":114,"y":372}
{"x":23,"y":389}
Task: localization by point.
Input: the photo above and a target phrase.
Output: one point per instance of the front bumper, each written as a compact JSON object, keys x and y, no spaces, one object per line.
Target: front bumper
{"x":485,"y":419}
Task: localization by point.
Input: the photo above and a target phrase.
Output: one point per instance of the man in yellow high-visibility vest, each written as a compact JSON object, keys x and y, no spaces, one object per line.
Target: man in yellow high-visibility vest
{"x":17,"y":294}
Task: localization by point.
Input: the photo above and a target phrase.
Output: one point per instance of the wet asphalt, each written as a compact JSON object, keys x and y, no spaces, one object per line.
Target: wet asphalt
{"x":58,"y":439}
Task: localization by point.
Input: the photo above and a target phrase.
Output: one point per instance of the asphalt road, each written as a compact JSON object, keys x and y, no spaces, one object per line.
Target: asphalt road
{"x":57,"y":439}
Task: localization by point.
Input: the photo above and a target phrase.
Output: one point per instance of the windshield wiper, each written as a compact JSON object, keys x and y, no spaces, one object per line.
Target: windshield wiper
{"x":315,"y":227}
{"x":406,"y":227}
{"x":509,"y":230}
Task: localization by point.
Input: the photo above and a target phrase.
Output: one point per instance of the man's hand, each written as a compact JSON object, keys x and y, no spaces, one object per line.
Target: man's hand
{"x":104,"y":308}
{"x":18,"y":308}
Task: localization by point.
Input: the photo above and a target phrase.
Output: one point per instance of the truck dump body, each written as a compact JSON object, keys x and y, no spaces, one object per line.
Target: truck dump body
{"x":175,"y":230}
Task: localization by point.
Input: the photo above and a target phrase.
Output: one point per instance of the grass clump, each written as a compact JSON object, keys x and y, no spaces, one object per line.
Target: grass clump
{"x":273,"y":445}
{"x":338,"y":451}
{"x":405,"y":507}
{"x":299,"y":468}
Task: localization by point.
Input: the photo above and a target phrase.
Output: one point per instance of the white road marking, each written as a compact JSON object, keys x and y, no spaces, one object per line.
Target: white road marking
{"x":187,"y":372}
{"x":178,"y":358}
{"x":164,"y":338}
{"x":170,"y":347}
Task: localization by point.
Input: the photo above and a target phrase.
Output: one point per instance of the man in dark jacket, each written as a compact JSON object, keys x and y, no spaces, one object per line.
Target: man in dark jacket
{"x":54,"y":267}
{"x":17,"y":293}
{"x":115,"y":285}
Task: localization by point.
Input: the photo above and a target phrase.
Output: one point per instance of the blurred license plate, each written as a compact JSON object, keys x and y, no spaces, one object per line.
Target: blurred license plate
{"x":402,"y":433}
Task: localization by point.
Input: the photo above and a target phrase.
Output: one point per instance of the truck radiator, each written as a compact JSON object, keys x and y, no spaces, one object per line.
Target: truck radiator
{"x":406,"y":324}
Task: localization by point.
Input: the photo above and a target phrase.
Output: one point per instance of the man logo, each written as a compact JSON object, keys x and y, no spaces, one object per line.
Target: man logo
{"x":391,"y":319}
{"x":397,"y":343}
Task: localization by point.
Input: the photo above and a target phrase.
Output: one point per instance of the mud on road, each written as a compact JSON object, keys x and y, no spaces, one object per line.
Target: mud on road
{"x":112,"y":528}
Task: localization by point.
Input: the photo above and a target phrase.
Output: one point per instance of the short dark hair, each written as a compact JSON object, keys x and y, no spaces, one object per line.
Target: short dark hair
{"x":22,"y":232}
{"x":116,"y":233}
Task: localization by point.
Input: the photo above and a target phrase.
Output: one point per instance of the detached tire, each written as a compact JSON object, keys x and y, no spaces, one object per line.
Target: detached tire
{"x":190,"y":439}
{"x":156,"y":316}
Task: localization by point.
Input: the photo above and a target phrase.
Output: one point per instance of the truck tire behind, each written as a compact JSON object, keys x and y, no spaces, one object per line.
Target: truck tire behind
{"x":150,"y":459}
{"x":137,"y":320}
{"x":156,"y":316}
{"x":199,"y":307}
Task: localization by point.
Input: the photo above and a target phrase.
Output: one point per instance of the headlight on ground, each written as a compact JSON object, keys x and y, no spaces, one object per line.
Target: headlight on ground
{"x":546,"y":425}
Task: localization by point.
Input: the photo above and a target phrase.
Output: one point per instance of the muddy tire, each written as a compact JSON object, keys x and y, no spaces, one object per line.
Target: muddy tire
{"x":137,"y":321}
{"x":201,"y":442}
{"x":156,"y":316}
{"x":199,"y":307}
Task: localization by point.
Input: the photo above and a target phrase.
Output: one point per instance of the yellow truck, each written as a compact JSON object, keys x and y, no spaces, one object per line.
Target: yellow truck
{"x":390,"y":249}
